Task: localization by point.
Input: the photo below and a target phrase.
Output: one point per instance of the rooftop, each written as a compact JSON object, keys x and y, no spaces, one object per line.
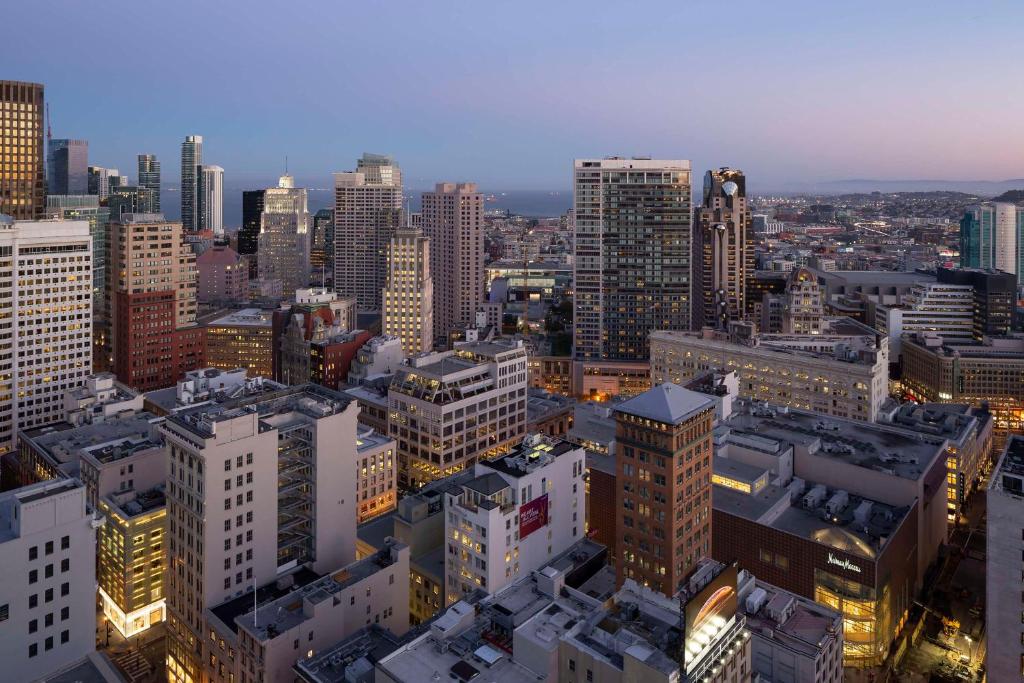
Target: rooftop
{"x":593,"y":424}
{"x":666,"y":403}
{"x":360,"y":652}
{"x":535,"y":451}
{"x":133,"y":503}
{"x":108,"y":441}
{"x":1009,"y":472}
{"x":951,"y":420}
{"x":369,"y":440}
{"x":793,"y":622}
{"x":246,"y":317}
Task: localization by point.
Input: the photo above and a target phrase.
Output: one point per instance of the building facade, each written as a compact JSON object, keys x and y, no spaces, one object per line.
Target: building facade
{"x":945,"y":309}
{"x":46,"y":341}
{"x":408,"y":296}
{"x":642,"y":206}
{"x":995,"y":298}
{"x":376,"y":474}
{"x":283,"y":251}
{"x":22,"y":179}
{"x":991,"y":235}
{"x":1003,"y":578}
{"x":242,"y":339}
{"x":367,"y":211}
{"x":210,"y":199}
{"x":67,"y":164}
{"x":223,"y":275}
{"x":249,"y":233}
{"x":149,"y":177}
{"x":453,"y":217}
{"x":191,"y":160}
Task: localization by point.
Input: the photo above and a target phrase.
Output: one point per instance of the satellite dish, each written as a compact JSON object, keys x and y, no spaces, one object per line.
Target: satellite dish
{"x":730,"y":188}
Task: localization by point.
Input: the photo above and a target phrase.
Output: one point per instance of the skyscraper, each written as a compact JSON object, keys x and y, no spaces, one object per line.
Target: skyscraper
{"x":632,"y":254}
{"x":723,"y":250}
{"x":191,"y":159}
{"x":100,"y":180}
{"x":67,"y":167}
{"x":284,"y":236}
{"x":46,"y":338}
{"x":408,"y":297}
{"x":367,"y":211}
{"x":149,"y":177}
{"x":249,"y":233}
{"x":152,"y":306}
{"x":991,"y":236}
{"x":321,"y":252}
{"x":129,"y":199}
{"x":22,"y":188}
{"x":453,"y":216}
{"x":210,"y":195}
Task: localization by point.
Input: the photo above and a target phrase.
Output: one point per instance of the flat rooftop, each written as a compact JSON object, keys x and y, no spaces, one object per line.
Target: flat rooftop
{"x":10,"y":500}
{"x":900,"y":452}
{"x":134,"y":503}
{"x":107,"y":441}
{"x":736,"y":470}
{"x":593,"y":422}
{"x":360,"y":652}
{"x":530,"y":455}
{"x":246,"y":317}
{"x":950,"y":420}
{"x":369,"y":440}
{"x":1008,"y":476}
{"x":792,"y":621}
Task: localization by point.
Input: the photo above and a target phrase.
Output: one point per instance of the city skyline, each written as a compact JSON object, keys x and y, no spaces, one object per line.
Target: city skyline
{"x":826,"y":93}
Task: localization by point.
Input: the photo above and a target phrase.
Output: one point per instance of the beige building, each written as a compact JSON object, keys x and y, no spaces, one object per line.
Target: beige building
{"x":453,"y":216}
{"x":258,"y":487}
{"x":408,"y":296}
{"x":367,"y":211}
{"x":842,"y":372}
{"x":284,"y":236}
{"x":448,"y":410}
{"x":376,"y":474}
{"x":242,"y":339}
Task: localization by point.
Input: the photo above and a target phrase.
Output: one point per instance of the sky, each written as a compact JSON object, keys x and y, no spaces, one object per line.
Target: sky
{"x":509,"y":93}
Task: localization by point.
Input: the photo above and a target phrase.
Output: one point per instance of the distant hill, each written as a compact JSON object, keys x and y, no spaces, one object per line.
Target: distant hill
{"x":981,"y":188}
{"x":1014,"y":196}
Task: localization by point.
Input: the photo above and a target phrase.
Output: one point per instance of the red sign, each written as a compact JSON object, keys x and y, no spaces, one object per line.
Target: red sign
{"x":533,"y":516}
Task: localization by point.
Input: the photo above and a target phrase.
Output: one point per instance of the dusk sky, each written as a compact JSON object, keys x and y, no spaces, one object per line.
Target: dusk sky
{"x":508,"y":95}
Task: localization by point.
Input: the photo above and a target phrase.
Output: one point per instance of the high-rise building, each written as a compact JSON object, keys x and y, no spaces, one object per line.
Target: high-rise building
{"x":86,"y":207}
{"x":453,"y":408}
{"x":46,"y":338}
{"x":663,"y":463}
{"x":149,"y":178}
{"x":992,"y":236}
{"x":67,"y":164}
{"x":191,"y":160}
{"x":1003,"y":578}
{"x":408,"y":297}
{"x":151,"y":302}
{"x":100,"y":180}
{"x":723,"y":250}
{"x":22,"y":186}
{"x":284,"y":236}
{"x":321,"y":251}
{"x":48,"y":595}
{"x":631,"y":254}
{"x":945,"y":309}
{"x":367,"y":211}
{"x":453,"y":217}
{"x":210,"y":195}
{"x":995,"y":298}
{"x":259,"y":487}
{"x":249,"y":233}
{"x":123,"y":199}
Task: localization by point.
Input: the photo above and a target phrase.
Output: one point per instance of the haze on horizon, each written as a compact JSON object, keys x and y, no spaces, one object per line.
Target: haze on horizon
{"x":792,"y":93}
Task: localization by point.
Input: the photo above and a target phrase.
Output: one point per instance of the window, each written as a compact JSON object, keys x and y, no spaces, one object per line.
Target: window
{"x":65,"y":565}
{"x":49,"y":643}
{"x":49,"y":571}
{"x":33,"y":576}
{"x":590,"y":675}
{"x":48,"y":621}
{"x":33,"y":553}
{"x":33,"y":626}
{"x":65,"y":612}
{"x":33,"y":650}
{"x":65,"y":588}
{"x":65,"y":636}
{"x":572,"y":662}
{"x":33,"y":601}
{"x":49,"y":547}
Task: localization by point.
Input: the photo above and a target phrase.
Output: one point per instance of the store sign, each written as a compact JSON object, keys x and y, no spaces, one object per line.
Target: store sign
{"x":843,"y":563}
{"x":533,"y":516}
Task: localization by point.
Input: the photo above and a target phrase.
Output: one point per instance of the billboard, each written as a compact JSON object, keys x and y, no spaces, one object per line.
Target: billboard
{"x":533,"y":516}
{"x":709,"y":610}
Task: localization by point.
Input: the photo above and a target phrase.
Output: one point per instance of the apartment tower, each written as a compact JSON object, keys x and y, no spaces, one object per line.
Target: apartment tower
{"x":453,"y":217}
{"x":631,"y":254}
{"x":149,"y":177}
{"x":408,"y":296}
{"x":663,"y":446}
{"x":723,"y":250}
{"x":991,"y":236}
{"x":211,"y":199}
{"x":22,"y":186}
{"x":191,"y":160}
{"x":367,"y":211}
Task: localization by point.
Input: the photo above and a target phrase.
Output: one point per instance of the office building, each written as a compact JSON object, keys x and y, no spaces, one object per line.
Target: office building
{"x":995,"y":298}
{"x":99,"y":180}
{"x":125,"y":199}
{"x":991,"y":236}
{"x":452,"y":408}
{"x":191,"y":160}
{"x":48,"y":596}
{"x":152,"y":302}
{"x":453,"y":217}
{"x":844,"y":371}
{"x":376,"y":474}
{"x":101,"y":398}
{"x":87,"y":208}
{"x":380,"y":356}
{"x":149,"y":178}
{"x":46,"y":339}
{"x":367,"y":211}
{"x":223,"y":275}
{"x":945,"y":309}
{"x":792,"y":639}
{"x":723,"y":250}
{"x":539,"y":488}
{"x":663,"y":503}
{"x":642,"y":206}
{"x":249,"y":232}
{"x":321,"y":252}
{"x":22,"y":179}
{"x":408,"y":296}
{"x":283,"y":244}
{"x":67,"y":164}
{"x":988,"y":374}
{"x":242,"y":339}
{"x":1003,"y":577}
{"x":210,"y":199}
{"x":263,"y":486}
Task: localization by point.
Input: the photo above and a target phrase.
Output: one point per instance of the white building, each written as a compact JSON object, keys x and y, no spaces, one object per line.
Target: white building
{"x":514,"y":516}
{"x":376,"y":474}
{"x":947,"y":310}
{"x":379,"y":356}
{"x":449,"y":409}
{"x":46,"y":339}
{"x":408,"y":296}
{"x":1003,"y":578}
{"x":48,"y":561}
{"x":101,"y":398}
{"x":284,"y":235}
{"x":211,"y":199}
{"x":257,"y":487}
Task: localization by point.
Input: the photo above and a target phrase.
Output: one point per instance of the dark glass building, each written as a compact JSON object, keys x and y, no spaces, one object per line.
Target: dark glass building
{"x":995,"y":298}
{"x":67,"y":167}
